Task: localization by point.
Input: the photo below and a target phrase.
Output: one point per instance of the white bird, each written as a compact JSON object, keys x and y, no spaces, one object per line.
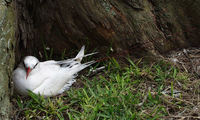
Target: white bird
{"x":47,"y":78}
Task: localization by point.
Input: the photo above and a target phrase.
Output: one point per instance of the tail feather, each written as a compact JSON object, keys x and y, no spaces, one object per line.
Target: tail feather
{"x":84,"y":65}
{"x":90,"y":54}
{"x":80,"y":55}
{"x":72,"y":80}
{"x":75,"y":66}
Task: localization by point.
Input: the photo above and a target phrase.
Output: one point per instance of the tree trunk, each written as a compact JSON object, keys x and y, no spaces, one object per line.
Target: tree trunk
{"x":7,"y":59}
{"x":70,"y":24}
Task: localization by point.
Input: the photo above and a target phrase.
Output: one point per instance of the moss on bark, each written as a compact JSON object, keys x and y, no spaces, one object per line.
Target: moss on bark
{"x":7,"y":58}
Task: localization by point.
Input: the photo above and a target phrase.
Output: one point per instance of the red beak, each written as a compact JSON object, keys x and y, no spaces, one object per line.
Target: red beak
{"x":28,"y":71}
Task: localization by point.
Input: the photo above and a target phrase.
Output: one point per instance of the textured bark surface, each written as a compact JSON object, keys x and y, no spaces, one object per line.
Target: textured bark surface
{"x":7,"y":59}
{"x":69,"y":24}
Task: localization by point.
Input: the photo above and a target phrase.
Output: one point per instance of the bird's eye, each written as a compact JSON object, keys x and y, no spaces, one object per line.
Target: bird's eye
{"x":24,"y":64}
{"x":35,"y":65}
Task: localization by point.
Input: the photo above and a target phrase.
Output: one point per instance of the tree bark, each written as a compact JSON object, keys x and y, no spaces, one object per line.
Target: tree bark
{"x":70,"y":24}
{"x":7,"y":59}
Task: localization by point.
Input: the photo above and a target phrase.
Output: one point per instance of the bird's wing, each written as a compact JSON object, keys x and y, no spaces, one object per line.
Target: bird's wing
{"x":57,"y":80}
{"x":42,"y":72}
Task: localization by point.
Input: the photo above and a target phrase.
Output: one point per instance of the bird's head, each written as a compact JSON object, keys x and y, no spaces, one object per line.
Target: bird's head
{"x":29,"y":63}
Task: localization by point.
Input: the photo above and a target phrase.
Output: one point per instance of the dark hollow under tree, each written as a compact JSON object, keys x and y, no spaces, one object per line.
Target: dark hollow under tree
{"x":68,"y":24}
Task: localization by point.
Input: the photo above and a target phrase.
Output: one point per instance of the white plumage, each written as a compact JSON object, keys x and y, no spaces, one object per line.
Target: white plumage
{"x":47,"y":78}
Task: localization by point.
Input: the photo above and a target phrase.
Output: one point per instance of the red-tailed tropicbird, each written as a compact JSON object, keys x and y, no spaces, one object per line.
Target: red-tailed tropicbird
{"x":47,"y":78}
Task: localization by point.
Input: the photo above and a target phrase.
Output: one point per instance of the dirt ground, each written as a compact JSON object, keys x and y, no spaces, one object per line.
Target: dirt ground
{"x":187,"y":60}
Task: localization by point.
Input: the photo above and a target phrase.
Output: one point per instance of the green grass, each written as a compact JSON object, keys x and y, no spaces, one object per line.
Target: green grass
{"x":119,"y":93}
